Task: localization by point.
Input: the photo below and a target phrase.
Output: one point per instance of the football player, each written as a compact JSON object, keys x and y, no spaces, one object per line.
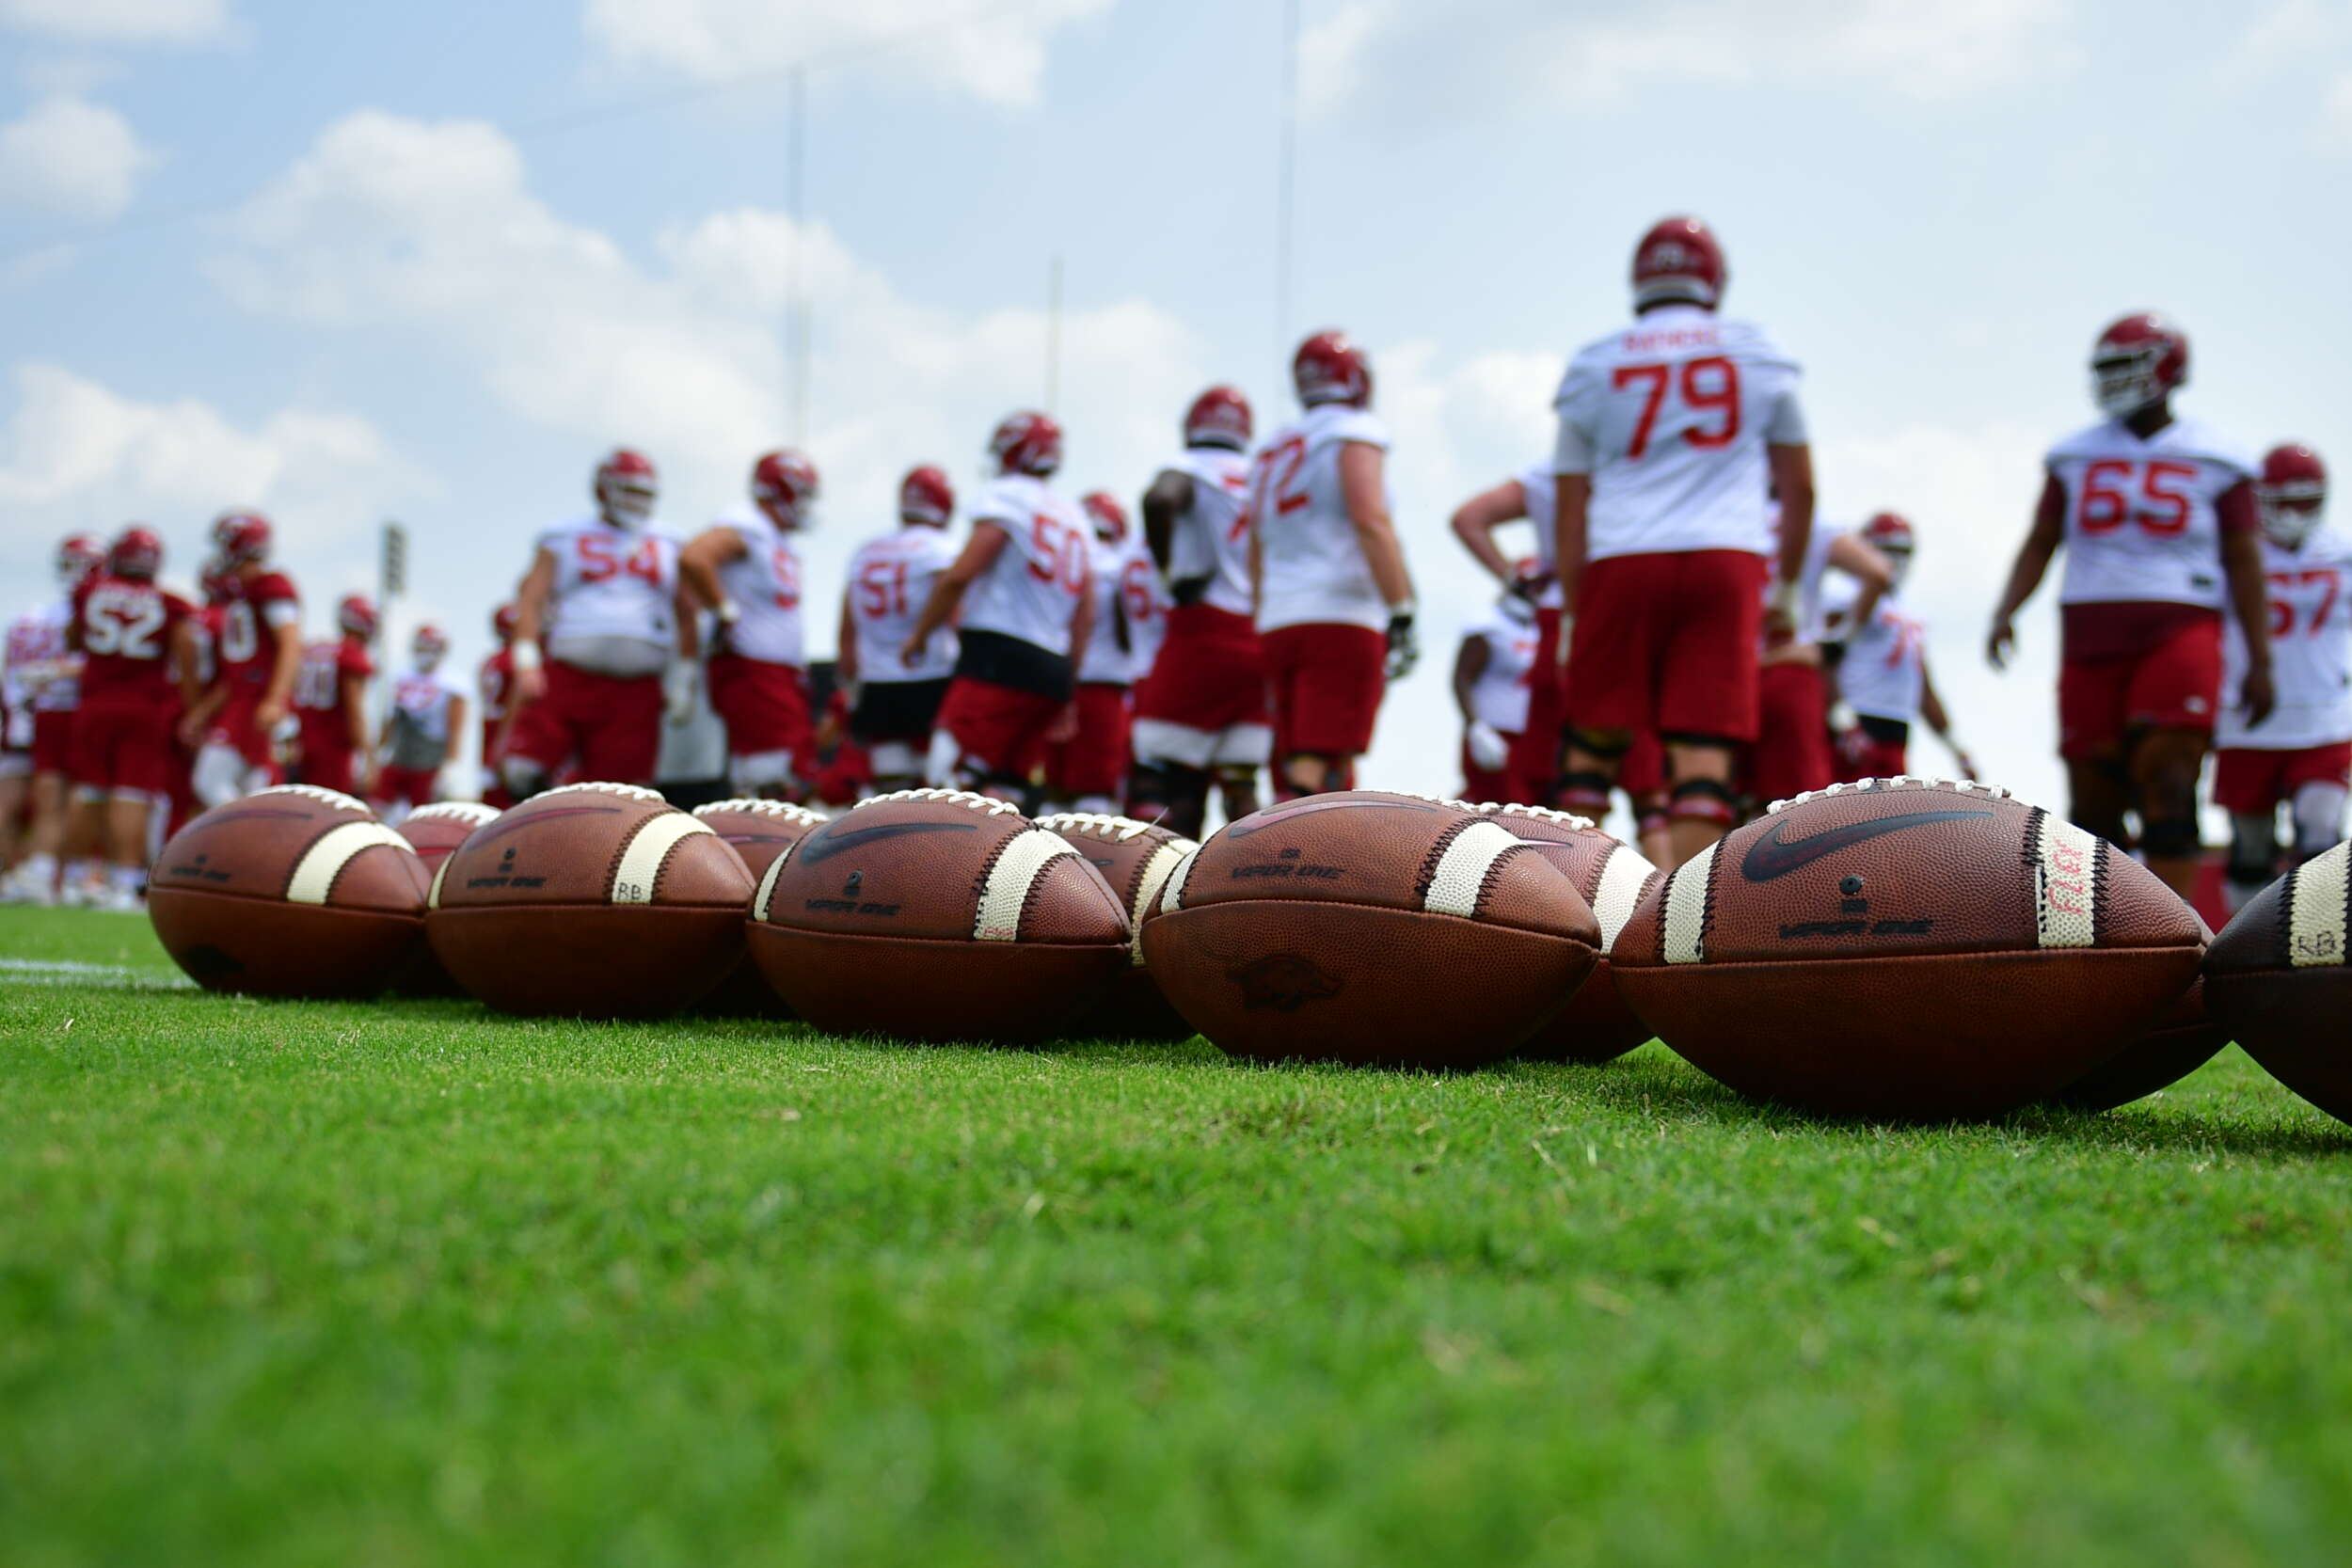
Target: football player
{"x":136,"y":644}
{"x":896,"y":697}
{"x":743,"y":569}
{"x":595,"y":626}
{"x":1200,"y":708}
{"x":1793,"y":753}
{"x":1335,"y":605}
{"x":1087,"y":771}
{"x":331,"y":701}
{"x":44,"y":680}
{"x":236,"y":728}
{"x":1881,"y":668}
{"x":421,"y":732}
{"x":2301,"y":757}
{"x":1492,"y":673}
{"x":1674,"y":432}
{"x":2160,"y":515}
{"x":495,"y":683}
{"x":1024,"y":585}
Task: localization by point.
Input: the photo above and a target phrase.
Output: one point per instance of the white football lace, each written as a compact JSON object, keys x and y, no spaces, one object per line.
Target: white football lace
{"x":1120,"y":828}
{"x":627,"y":792}
{"x":335,"y":798}
{"x":1568,"y":819}
{"x":1901,"y":781}
{"x":798,"y":815}
{"x":963,"y":798}
{"x":463,"y":811}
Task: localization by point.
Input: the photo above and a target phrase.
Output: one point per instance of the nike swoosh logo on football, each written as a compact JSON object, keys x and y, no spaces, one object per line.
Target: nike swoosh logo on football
{"x":823,"y":845}
{"x":1275,"y":817}
{"x":1772,"y":856}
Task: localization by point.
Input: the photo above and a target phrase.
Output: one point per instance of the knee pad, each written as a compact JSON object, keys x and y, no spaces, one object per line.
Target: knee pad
{"x":522,"y":776}
{"x":2318,"y":809}
{"x":218,"y":775}
{"x":2169,"y":838}
{"x":1651,"y":814}
{"x":761,"y":773}
{"x":1608,"y":745}
{"x":1701,"y":801}
{"x":2253,"y":849}
{"x":1584,"y":793}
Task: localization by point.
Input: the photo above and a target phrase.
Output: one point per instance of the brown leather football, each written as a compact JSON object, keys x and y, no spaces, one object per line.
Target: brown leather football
{"x":1596,"y":1025}
{"x":291,"y":892}
{"x":2182,"y":1039}
{"x":932,"y":915}
{"x":1135,"y":858}
{"x":759,"y":831}
{"x":594,"y":900}
{"x":1373,"y":928}
{"x":1906,"y":948}
{"x":435,"y":831}
{"x":2279,"y":980}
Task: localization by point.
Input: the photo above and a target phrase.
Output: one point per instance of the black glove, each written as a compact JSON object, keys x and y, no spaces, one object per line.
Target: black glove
{"x":1404,"y":651}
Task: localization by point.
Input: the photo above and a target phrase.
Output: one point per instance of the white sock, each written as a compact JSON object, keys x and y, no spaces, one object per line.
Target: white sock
{"x":129,"y":879}
{"x":38,"y":868}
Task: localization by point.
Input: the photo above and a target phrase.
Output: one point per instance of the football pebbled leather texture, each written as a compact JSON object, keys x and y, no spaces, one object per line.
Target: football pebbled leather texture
{"x":1136,"y":859}
{"x":1369,"y":928}
{"x":2184,"y":1039}
{"x":1597,"y":1026}
{"x":934,"y":914}
{"x":592,"y":900}
{"x":1906,"y":948}
{"x":2279,"y":981}
{"x":436,"y":830}
{"x":757,"y":831}
{"x":294,"y":890}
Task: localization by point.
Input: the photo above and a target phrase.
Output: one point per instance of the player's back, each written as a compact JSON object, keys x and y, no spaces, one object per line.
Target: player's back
{"x":1311,"y":566}
{"x":246,"y":646}
{"x":1031,"y":590}
{"x":1210,"y":541}
{"x":765,"y":583}
{"x":124,"y":627}
{"x":2143,"y":519}
{"x":318,"y":681}
{"x":2310,"y":649}
{"x":890,"y":578}
{"x":1672,"y":417}
{"x":1126,"y":608}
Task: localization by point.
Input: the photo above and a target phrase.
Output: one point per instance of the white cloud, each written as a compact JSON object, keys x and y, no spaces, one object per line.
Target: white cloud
{"x":71,"y":157}
{"x":2334,"y":132}
{"x":1332,"y":51}
{"x":119,"y":21}
{"x":999,"y":57}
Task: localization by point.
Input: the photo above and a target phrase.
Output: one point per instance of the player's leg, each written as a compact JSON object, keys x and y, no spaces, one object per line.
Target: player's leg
{"x":545,"y":735}
{"x":1237,"y":786}
{"x":984,"y":733}
{"x":2316,"y":799}
{"x":623,"y":744}
{"x":1092,"y":775}
{"x":2164,"y":766}
{"x":1709,"y":698}
{"x":16,"y":790}
{"x":2245,"y":785}
{"x":1610,"y":688}
{"x":1792,"y":755}
{"x":1337,"y":681}
{"x":1170,"y":793}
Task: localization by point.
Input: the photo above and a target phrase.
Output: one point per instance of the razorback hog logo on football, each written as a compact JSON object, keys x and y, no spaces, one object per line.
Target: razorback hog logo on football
{"x":1284,"y":981}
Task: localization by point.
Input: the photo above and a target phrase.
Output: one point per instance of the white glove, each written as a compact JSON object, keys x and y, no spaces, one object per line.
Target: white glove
{"x":679,"y":683}
{"x":1487,"y":746}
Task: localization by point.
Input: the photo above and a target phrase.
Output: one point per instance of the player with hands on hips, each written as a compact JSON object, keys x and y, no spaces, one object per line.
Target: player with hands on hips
{"x":2158,"y":518}
{"x":2301,"y":757}
{"x":1879,"y":661}
{"x":428,"y":714}
{"x":744,"y":571}
{"x":1493,"y":671}
{"x":1334,"y":602}
{"x":1085,"y":769}
{"x":893,"y":698}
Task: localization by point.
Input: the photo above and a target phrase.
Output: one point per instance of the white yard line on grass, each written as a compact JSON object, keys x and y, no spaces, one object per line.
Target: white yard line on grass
{"x":73,"y":972}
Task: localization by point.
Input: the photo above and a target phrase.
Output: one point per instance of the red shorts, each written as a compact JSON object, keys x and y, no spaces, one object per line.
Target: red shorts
{"x":1325,"y":681}
{"x":610,"y":724}
{"x":53,"y":739}
{"x":2174,"y":684}
{"x":1861,"y":756}
{"x":1536,"y":750}
{"x":1668,"y":642}
{"x":1209,"y":674}
{"x":412,"y":785}
{"x":765,"y":705}
{"x":236,"y":723}
{"x":123,"y":744}
{"x":327,"y":765}
{"x":1791,"y":752}
{"x":1094,"y":760}
{"x":2248,"y":782}
{"x":998,"y":729}
{"x":1643,"y":773}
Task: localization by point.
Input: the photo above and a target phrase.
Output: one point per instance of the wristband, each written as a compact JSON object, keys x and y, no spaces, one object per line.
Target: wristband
{"x":526,"y":656}
{"x":1784,"y":600}
{"x":1401,"y":610}
{"x":727,"y":612}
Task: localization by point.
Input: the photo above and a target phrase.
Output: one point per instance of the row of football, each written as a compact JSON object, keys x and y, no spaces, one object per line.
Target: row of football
{"x":1977,"y":952}
{"x":1697,"y":672}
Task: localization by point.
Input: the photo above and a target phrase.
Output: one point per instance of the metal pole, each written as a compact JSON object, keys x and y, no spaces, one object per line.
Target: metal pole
{"x":796,"y":315}
{"x":1286,"y":178}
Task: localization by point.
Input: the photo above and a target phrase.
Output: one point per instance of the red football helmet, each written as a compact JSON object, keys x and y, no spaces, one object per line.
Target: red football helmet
{"x":626,"y":488}
{"x":926,"y":497}
{"x":2291,"y":492}
{"x":504,"y":620}
{"x":217,"y":580}
{"x":1329,"y":369}
{"x":1889,"y":532}
{"x":357,"y":616}
{"x":784,"y":485}
{"x":78,"y":557}
{"x":1219,"y":417}
{"x":1108,"y":516}
{"x":1026,"y":443}
{"x":428,"y":644}
{"x":137,"y":554}
{"x":2136,"y":362}
{"x":1679,"y":260}
{"x":241,"y":538}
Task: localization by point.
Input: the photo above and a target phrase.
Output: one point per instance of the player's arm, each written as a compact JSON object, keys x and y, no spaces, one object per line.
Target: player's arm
{"x":1082,"y":623}
{"x":1169,"y":498}
{"x":531,"y":616}
{"x":1469,"y":664}
{"x":698,"y":585}
{"x":456,"y":724}
{"x":845,"y":646}
{"x":180,"y":647}
{"x":989,"y":540}
{"x":1791,"y":466}
{"x":2249,"y":597}
{"x":1867,"y":565}
{"x":1365,"y":495}
{"x":2033,"y":562}
{"x":1940,"y":719}
{"x":1475,"y":520}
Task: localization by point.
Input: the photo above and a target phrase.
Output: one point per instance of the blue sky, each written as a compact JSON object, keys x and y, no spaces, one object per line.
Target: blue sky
{"x":426,"y":261}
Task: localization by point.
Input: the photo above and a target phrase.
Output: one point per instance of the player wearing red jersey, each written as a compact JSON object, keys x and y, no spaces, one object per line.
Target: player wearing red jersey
{"x":2160,"y":515}
{"x":235,"y":727}
{"x":894,"y":700}
{"x":1672,"y":433}
{"x":495,"y":683}
{"x":44,"y":683}
{"x":136,"y":646}
{"x":743,"y":569}
{"x":330,"y":701}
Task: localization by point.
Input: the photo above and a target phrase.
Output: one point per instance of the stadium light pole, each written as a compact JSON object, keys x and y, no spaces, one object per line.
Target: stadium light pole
{"x":795,"y":305}
{"x":1053,"y":334}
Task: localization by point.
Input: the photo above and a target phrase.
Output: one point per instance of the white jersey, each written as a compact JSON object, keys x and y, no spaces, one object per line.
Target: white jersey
{"x":890,"y":580}
{"x":1211,"y":537}
{"x":43,"y":675}
{"x":1884,"y":674}
{"x":765,"y":584}
{"x":1812,"y":576}
{"x":422,"y":699}
{"x":1032,"y":590}
{"x":1498,"y":696}
{"x":612,"y":584}
{"x":1671,"y":417}
{"x":2141,"y":520}
{"x":1129,"y":615}
{"x":1541,"y":487}
{"x":2310,"y":651}
{"x":1311,"y":567}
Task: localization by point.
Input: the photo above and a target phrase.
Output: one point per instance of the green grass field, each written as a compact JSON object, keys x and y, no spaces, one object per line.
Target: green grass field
{"x":411,"y":1284}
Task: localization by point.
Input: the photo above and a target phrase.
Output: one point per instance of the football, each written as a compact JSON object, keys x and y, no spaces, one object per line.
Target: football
{"x":758,"y":831}
{"x":1596,"y":1025}
{"x":932,"y":914}
{"x":292,"y":892}
{"x":1135,"y":858}
{"x":593,"y":900}
{"x":2183,"y":1038}
{"x":435,"y":831}
{"x":1369,"y":928}
{"x":1906,"y":948}
{"x":2278,"y":981}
